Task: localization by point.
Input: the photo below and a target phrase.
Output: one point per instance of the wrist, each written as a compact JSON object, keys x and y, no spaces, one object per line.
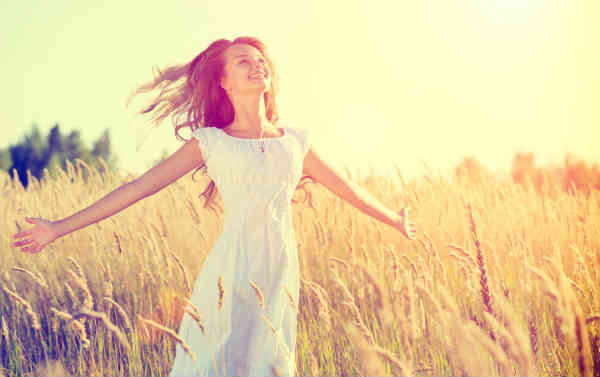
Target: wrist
{"x":58,"y":228}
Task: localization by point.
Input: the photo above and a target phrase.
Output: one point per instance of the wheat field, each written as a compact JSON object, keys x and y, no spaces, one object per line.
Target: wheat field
{"x":502,"y":280}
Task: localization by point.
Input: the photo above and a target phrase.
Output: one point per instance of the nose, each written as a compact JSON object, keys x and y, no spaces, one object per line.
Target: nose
{"x":260,"y":66}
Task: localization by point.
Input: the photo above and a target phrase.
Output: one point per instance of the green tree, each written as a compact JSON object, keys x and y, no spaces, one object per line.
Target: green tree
{"x":102,"y":149}
{"x":5,"y":159}
{"x":28,"y":155}
{"x":35,"y":153}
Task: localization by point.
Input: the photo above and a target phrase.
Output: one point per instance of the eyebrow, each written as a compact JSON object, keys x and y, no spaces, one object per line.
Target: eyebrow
{"x":239,"y":56}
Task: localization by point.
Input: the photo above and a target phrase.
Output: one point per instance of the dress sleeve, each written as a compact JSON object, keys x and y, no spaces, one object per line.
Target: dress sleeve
{"x":303,"y":139}
{"x":203,"y":137}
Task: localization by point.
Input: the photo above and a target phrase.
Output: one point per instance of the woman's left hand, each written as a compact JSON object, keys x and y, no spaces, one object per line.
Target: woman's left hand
{"x":404,"y":224}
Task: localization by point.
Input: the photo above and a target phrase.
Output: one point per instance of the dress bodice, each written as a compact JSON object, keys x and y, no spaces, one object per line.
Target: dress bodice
{"x":253,"y":183}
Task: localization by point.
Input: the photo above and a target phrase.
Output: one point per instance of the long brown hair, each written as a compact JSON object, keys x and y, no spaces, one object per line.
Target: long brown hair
{"x":191,"y":93}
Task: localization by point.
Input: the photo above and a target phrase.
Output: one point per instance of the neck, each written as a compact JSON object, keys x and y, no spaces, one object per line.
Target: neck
{"x":250,"y":114}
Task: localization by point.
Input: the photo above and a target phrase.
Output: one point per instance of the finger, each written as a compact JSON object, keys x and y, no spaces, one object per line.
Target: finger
{"x":31,"y":220}
{"x":22,"y":234}
{"x":30,"y":249}
{"x":23,"y":242}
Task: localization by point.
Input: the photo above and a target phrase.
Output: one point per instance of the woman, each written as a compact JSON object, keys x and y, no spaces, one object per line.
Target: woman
{"x":229,"y":99}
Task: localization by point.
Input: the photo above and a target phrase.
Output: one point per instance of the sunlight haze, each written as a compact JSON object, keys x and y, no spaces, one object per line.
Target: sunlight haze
{"x":378,"y":83}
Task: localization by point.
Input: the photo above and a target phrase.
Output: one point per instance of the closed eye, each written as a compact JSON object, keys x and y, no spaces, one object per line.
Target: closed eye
{"x":261,"y":61}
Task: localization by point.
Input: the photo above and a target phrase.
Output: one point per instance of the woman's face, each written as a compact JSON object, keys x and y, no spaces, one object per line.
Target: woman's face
{"x":246,"y":70}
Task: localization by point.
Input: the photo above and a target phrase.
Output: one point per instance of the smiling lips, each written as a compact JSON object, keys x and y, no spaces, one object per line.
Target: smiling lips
{"x":258,"y":76}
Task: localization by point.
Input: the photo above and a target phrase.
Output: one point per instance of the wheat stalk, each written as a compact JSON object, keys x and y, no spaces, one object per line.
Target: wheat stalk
{"x":5,"y":332}
{"x":584,"y":352}
{"x":109,"y":325}
{"x":118,"y":242}
{"x":533,"y":335}
{"x":338,"y":282}
{"x":75,"y":325}
{"x":107,"y":288}
{"x":379,"y":295}
{"x":350,"y":303}
{"x":464,"y":262}
{"x":358,"y":321}
{"x":411,"y":264}
{"x":485,"y":290}
{"x":196,"y":316}
{"x":63,"y":315}
{"x":186,"y":279}
{"x":35,"y":278}
{"x":269,"y":323}
{"x":291,"y":298}
{"x":121,"y":311}
{"x":164,"y":248}
{"x":395,"y":264}
{"x":370,"y":363}
{"x":340,"y":261}
{"x":35,"y":322}
{"x":193,"y":311}
{"x":464,"y":253}
{"x":77,"y":266}
{"x":393,"y":360}
{"x":88,"y":302}
{"x":492,"y":347}
{"x":322,"y":299}
{"x":549,"y":286}
{"x":69,"y":293}
{"x":221,"y":291}
{"x":261,"y":299}
{"x":171,"y":333}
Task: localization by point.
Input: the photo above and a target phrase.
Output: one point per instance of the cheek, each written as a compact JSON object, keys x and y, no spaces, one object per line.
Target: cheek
{"x":232,"y":79}
{"x":239,"y":74}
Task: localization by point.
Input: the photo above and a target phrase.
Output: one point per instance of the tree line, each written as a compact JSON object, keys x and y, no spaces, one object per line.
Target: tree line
{"x":36,"y":152}
{"x":573,"y":175}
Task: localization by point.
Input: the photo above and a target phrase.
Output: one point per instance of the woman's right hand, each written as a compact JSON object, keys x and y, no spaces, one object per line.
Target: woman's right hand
{"x":35,"y":239}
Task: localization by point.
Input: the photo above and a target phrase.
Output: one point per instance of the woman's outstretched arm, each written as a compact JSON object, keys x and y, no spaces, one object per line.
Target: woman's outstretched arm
{"x":45,"y":232}
{"x":325,"y":174}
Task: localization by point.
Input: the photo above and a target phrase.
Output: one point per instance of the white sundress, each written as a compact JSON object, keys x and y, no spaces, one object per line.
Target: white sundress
{"x":257,"y":245}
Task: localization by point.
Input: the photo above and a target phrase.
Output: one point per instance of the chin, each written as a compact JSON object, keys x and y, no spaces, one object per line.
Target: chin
{"x":259,"y":86}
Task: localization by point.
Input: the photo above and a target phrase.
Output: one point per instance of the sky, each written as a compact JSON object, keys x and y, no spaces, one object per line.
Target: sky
{"x":378,"y":83}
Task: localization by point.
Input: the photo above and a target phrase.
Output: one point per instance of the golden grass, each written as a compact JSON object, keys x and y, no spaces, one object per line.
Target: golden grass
{"x":172,"y":334}
{"x":497,"y":271}
{"x":35,"y":322}
{"x":84,"y":313}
